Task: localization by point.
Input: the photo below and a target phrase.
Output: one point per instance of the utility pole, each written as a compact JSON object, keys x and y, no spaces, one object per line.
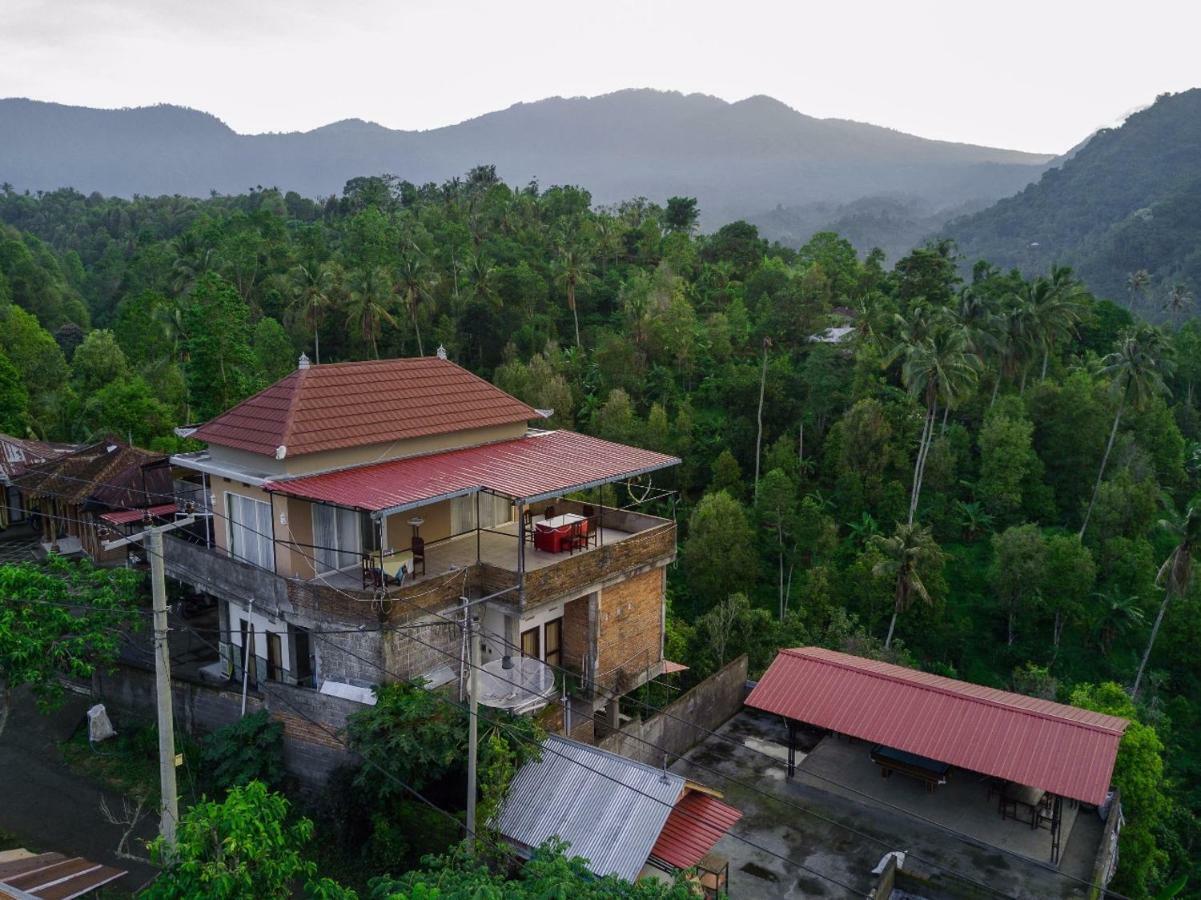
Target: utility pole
{"x":152,"y":539}
{"x":473,"y":681}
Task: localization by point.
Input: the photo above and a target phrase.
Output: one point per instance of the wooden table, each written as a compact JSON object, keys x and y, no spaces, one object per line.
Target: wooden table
{"x":393,"y":562}
{"x":1015,"y":795}
{"x":929,"y":771}
{"x":551,"y":534}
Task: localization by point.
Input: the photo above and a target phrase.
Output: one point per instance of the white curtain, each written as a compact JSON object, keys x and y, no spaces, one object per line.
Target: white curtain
{"x":336,"y":532}
{"x":494,"y":511}
{"x":250,"y":530}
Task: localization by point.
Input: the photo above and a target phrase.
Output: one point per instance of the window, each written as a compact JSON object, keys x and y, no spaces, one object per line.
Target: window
{"x":250,"y":530}
{"x":554,"y":642}
{"x":494,"y":510}
{"x":337,"y":532}
{"x":530,"y":643}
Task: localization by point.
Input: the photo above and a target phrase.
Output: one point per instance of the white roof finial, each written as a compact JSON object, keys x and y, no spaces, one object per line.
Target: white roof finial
{"x":303,"y":362}
{"x":441,"y":352}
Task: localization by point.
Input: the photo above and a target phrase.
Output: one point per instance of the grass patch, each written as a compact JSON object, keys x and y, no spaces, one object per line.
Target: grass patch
{"x":128,"y":763}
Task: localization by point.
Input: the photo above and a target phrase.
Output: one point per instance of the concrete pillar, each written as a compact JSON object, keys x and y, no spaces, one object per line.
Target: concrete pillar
{"x":613,"y":713}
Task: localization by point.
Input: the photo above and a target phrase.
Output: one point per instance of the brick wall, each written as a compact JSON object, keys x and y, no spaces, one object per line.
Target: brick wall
{"x":629,"y":629}
{"x":577,"y":637}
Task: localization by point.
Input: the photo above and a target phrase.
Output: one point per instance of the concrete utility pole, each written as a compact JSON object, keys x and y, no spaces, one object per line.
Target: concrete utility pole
{"x":153,"y":543}
{"x":473,"y":681}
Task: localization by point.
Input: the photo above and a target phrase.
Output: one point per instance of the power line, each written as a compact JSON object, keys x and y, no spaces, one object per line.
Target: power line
{"x":701,"y":729}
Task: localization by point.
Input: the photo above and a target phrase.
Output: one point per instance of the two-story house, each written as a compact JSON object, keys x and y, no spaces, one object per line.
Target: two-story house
{"x":350,"y":513}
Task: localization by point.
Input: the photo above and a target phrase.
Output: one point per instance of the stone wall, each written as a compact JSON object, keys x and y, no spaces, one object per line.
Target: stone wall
{"x":683,"y":724}
{"x":601,"y":564}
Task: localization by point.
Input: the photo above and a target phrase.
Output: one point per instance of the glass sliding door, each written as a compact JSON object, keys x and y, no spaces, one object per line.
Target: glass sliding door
{"x":250,"y":530}
{"x":337,"y":532}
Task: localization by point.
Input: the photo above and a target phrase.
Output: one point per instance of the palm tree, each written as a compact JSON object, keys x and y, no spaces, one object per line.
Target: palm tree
{"x":1055,"y":307}
{"x":905,"y":552}
{"x":572,"y":268}
{"x":1115,"y":613}
{"x":313,"y":288}
{"x":1175,"y":577}
{"x":370,"y":293}
{"x":1179,"y":299}
{"x":415,"y":283}
{"x":1019,"y":339}
{"x":939,"y":368}
{"x":1136,"y":284}
{"x":1136,"y":369}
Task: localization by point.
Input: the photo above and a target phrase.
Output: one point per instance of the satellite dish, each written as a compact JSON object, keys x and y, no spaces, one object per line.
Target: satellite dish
{"x":528,"y":685}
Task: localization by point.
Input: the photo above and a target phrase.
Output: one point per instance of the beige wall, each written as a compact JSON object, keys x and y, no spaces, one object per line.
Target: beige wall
{"x":359,"y":456}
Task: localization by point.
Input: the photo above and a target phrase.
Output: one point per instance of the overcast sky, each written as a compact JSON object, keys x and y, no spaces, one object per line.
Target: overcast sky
{"x":1010,"y":73}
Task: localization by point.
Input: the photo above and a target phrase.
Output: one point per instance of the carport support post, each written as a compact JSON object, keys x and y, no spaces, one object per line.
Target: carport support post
{"x":791,"y":748}
{"x":473,"y":681}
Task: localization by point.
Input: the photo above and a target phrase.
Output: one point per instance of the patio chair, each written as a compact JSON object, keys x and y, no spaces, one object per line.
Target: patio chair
{"x":418,"y":549}
{"x":549,"y":512}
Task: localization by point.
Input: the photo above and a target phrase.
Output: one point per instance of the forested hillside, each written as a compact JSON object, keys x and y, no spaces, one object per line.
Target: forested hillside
{"x":983,"y":480}
{"x":1128,"y":203}
{"x":738,"y":159}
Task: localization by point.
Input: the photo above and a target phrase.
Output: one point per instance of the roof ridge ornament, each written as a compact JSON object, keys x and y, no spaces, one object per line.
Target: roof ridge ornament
{"x":303,"y":362}
{"x":440,"y":352}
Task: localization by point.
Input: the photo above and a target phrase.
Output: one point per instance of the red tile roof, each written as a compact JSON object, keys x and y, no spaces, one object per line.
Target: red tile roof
{"x":352,"y":404}
{"x":696,"y":823}
{"x":528,"y":468}
{"x":1061,"y":749}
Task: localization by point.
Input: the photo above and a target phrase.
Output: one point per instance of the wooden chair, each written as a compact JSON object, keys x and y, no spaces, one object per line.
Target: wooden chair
{"x":549,"y":512}
{"x":529,"y":527}
{"x":418,"y":549}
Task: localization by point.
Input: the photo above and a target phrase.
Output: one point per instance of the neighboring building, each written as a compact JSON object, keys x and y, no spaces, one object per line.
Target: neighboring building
{"x":377,"y":494}
{"x":17,"y":455}
{"x":624,"y":817}
{"x":74,"y":494}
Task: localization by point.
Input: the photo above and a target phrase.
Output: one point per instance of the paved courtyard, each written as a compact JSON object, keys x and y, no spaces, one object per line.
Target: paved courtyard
{"x":839,"y":835}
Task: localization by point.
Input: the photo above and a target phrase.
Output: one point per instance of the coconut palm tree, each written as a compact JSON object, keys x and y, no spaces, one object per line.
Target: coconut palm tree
{"x":1019,"y":339}
{"x":313,"y":288}
{"x":1175,"y":577}
{"x":1136,"y":370}
{"x":1055,"y":307}
{"x":1180,"y":298}
{"x":367,"y":309}
{"x":905,"y":552}
{"x":939,"y":368}
{"x":1136,"y":285}
{"x":572,"y":269}
{"x":415,"y":282}
{"x":1115,"y":612}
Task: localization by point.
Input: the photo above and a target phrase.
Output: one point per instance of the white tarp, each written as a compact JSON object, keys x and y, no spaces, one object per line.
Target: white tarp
{"x":348,"y":692}
{"x":99,"y":726}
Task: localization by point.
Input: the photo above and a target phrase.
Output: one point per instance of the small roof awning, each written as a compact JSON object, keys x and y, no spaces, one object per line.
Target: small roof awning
{"x":126,"y":516}
{"x":692,"y":829}
{"x":528,"y":469}
{"x":51,"y":875}
{"x":670,"y":668}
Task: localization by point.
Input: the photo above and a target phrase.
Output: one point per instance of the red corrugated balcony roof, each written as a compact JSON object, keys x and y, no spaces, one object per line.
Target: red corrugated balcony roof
{"x":1062,"y":749}
{"x":692,"y":828}
{"x":528,"y":469}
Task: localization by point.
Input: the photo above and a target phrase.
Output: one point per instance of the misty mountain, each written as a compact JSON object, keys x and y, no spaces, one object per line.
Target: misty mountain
{"x":1128,"y":199}
{"x":738,"y":159}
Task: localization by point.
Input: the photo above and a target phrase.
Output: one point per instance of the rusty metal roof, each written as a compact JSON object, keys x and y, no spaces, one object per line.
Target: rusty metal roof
{"x":17,"y":454}
{"x":610,"y":809}
{"x":128,"y":516}
{"x":353,"y":404}
{"x":51,"y":876}
{"x":1061,"y":749}
{"x":528,"y":469}
{"x":697,"y":823}
{"x":108,"y":473}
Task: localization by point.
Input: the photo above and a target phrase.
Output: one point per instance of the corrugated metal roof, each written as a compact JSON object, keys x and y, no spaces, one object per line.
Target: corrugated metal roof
{"x":528,"y":468}
{"x":353,"y":404}
{"x":53,"y":876}
{"x":17,"y":454}
{"x":126,"y":516}
{"x":693,"y":827}
{"x":108,"y":473}
{"x":1061,"y":749}
{"x":610,"y":809}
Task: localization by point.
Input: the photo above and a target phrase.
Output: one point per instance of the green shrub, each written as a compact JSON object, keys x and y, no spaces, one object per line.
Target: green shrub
{"x":251,"y":749}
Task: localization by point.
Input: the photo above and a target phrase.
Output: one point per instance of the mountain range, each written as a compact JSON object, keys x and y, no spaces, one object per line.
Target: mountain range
{"x":1127,"y":200}
{"x":756,"y":158}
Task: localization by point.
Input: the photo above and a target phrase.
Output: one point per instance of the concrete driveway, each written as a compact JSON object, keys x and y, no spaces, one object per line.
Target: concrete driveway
{"x":838,"y":838}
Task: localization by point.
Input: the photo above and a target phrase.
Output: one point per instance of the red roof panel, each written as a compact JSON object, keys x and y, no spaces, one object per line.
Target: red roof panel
{"x":528,"y":468}
{"x":354,"y":404}
{"x":696,"y":823}
{"x":1061,"y":749}
{"x":126,"y":516}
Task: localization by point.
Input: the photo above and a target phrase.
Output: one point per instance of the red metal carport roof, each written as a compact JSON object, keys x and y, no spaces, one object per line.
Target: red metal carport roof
{"x":530,"y":468}
{"x":126,"y":516}
{"x":696,"y":823}
{"x":1061,"y":749}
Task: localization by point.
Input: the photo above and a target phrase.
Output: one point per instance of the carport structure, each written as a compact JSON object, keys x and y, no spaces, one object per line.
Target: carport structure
{"x":1022,"y":741}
